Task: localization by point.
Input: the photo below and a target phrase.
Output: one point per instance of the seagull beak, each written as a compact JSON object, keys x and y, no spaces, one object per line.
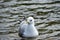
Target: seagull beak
{"x":27,"y":22}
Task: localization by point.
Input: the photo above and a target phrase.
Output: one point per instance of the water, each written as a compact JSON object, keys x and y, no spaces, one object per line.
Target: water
{"x":45,"y":12}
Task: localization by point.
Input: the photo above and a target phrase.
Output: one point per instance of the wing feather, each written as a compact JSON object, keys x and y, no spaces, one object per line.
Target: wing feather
{"x":22,"y":28}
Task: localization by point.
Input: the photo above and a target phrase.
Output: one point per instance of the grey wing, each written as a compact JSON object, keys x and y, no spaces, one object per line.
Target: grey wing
{"x":22,"y":28}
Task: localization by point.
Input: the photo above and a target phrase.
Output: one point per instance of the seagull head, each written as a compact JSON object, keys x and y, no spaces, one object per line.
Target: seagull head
{"x":30,"y":20}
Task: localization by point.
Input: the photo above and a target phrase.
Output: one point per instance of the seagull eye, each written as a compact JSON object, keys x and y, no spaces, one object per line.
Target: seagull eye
{"x":30,"y":20}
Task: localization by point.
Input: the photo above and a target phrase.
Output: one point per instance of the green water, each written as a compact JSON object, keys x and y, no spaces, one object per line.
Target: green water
{"x":45,"y":12}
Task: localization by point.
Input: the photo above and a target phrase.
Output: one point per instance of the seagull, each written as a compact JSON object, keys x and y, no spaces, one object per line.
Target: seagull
{"x":27,"y":28}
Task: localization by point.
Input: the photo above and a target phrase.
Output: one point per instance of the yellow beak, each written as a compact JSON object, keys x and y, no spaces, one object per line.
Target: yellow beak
{"x":26,"y":21}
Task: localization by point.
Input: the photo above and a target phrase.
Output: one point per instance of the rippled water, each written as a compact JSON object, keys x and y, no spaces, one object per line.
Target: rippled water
{"x":45,"y":12}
